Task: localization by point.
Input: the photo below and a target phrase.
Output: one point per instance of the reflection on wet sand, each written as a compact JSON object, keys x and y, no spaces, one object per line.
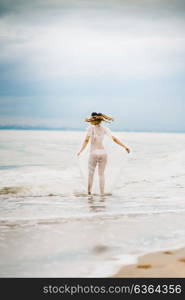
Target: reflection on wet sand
{"x":97,"y":204}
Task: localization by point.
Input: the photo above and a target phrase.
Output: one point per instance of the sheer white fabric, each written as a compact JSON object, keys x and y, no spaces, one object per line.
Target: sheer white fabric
{"x":101,"y":162}
{"x":98,"y":155}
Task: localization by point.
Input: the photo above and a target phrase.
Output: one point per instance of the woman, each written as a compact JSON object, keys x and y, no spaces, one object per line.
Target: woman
{"x":98,"y":155}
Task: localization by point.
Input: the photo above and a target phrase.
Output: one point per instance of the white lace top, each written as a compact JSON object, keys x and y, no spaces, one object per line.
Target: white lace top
{"x":96,"y":133}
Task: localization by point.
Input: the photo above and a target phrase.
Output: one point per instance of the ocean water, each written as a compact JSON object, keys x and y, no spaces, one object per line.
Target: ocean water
{"x":49,"y":227}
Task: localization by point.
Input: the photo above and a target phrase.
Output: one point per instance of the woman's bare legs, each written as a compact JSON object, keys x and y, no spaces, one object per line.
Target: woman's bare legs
{"x":101,"y":159}
{"x":101,"y":169}
{"x":92,"y":166}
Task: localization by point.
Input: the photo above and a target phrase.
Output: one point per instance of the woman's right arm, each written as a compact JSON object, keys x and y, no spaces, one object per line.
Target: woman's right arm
{"x":117,"y":141}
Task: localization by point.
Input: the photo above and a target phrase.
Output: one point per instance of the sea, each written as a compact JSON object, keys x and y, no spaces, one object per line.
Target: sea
{"x":51,"y":227}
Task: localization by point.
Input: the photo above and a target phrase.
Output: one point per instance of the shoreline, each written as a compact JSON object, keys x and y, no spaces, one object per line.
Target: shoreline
{"x":161,"y":264}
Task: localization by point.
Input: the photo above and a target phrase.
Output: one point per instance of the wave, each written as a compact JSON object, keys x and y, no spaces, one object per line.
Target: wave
{"x":13,"y":222}
{"x":13,"y":190}
{"x":41,"y":191}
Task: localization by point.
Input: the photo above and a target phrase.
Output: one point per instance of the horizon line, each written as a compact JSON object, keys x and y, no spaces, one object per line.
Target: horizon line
{"x":30,"y":127}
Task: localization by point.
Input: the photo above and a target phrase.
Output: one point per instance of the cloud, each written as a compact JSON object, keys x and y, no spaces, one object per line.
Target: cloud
{"x":79,"y":54}
{"x":69,"y":49}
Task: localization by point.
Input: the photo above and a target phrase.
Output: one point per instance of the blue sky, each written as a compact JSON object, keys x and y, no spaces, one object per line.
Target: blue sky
{"x":62,"y":59}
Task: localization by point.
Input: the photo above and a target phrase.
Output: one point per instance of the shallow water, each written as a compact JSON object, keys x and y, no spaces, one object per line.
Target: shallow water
{"x":50,"y":227}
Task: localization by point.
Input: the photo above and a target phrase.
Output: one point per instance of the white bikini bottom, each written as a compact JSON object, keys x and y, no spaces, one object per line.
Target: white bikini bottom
{"x":98,"y":151}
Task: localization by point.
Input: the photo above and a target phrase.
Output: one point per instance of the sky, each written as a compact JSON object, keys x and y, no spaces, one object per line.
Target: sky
{"x":62,"y":59}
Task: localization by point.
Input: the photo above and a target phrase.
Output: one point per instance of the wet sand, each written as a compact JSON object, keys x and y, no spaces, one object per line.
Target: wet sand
{"x":165,"y":264}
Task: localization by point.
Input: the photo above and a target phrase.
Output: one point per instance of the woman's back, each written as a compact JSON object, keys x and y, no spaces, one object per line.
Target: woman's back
{"x":96,"y":133}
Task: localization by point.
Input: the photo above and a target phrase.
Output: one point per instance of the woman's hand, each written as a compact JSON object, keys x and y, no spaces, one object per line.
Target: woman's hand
{"x":78,"y":154}
{"x":127,"y":149}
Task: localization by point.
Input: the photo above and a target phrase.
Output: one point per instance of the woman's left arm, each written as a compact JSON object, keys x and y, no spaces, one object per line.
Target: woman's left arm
{"x":86,"y":141}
